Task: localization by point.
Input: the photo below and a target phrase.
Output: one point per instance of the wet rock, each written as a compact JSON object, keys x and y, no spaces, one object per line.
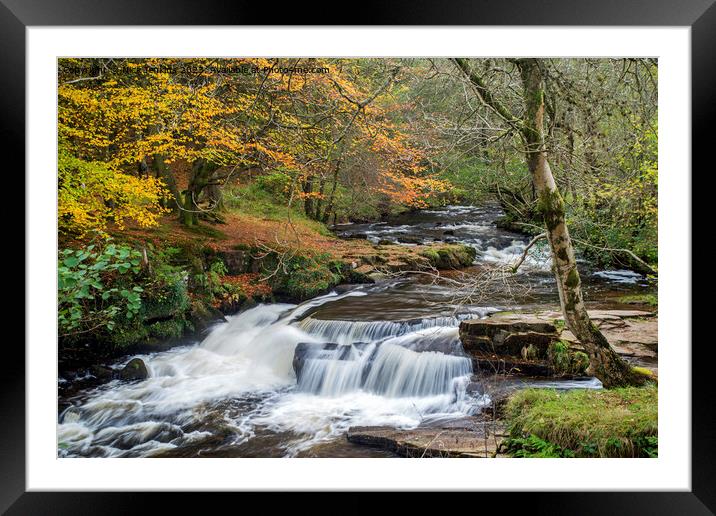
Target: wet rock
{"x":449,"y":232}
{"x":103,"y":374}
{"x":530,"y":344}
{"x":135,"y":369}
{"x":203,"y":315}
{"x":237,"y":261}
{"x":473,"y":439}
{"x":635,"y":337}
{"x":514,"y":344}
{"x":410,"y":240}
{"x":377,"y":276}
{"x":356,"y":236}
{"x":598,"y":315}
{"x":491,"y":364}
{"x":507,"y":335}
{"x":364,"y":269}
{"x":446,"y":344}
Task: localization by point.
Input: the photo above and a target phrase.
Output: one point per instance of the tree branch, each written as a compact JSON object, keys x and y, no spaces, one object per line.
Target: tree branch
{"x":485,"y":95}
{"x":527,"y":248}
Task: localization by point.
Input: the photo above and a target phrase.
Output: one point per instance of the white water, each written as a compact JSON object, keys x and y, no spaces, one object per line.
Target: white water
{"x":238,"y":385}
{"x":350,"y":332}
{"x":241,"y":379}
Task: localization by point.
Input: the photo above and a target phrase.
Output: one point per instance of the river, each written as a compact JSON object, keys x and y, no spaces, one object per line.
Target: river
{"x":394,"y":359}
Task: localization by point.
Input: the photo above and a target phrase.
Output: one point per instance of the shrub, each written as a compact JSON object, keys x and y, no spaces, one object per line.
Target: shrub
{"x":108,"y":298}
{"x":94,"y":287}
{"x":276,"y":183}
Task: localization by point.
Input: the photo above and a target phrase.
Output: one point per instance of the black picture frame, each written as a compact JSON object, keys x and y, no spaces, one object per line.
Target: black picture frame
{"x":700,"y":15}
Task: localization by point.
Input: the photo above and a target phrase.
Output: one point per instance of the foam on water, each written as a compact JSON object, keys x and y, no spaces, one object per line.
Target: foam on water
{"x":393,"y":379}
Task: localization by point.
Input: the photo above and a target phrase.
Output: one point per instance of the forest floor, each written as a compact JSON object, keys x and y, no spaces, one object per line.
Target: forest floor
{"x":301,"y":235}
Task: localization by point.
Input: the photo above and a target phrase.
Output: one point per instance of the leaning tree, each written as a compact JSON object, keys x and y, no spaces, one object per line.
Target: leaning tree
{"x":529,"y":123}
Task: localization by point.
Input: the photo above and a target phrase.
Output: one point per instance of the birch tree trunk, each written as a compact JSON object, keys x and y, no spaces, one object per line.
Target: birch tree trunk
{"x":605,"y":363}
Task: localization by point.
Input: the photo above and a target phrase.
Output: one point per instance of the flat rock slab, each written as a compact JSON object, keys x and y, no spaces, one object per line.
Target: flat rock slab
{"x":511,"y":323}
{"x":637,"y":338}
{"x":499,"y":340}
{"x":476,"y":440}
{"x":595,"y":315}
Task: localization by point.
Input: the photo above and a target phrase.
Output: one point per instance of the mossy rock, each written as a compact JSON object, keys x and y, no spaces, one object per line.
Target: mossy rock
{"x":565,"y":360}
{"x":450,"y":256}
{"x":305,"y":276}
{"x":135,"y":369}
{"x":202,"y":315}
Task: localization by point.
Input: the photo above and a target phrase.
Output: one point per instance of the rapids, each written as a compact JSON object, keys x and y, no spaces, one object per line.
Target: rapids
{"x":382,"y":354}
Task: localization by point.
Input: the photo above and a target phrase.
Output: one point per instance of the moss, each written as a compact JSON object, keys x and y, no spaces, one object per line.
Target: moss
{"x":169,"y":329}
{"x":449,"y":256}
{"x":531,"y":352}
{"x":430,"y":254}
{"x":580,"y":362}
{"x":571,"y":301}
{"x":169,"y":300}
{"x":306,"y":276}
{"x":572,"y":278}
{"x":591,"y":423}
{"x":126,"y":333}
{"x":640,"y":299}
{"x":566,"y":361}
{"x":551,"y":206}
{"x":206,"y":230}
{"x":643,"y":371}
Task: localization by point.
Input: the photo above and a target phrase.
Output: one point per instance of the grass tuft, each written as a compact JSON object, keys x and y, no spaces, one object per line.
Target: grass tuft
{"x":587,"y":423}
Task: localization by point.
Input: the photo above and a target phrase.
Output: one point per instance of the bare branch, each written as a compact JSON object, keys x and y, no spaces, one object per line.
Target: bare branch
{"x":527,"y":248}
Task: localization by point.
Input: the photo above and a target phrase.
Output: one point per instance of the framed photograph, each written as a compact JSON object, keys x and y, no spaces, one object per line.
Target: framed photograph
{"x":279,"y":257}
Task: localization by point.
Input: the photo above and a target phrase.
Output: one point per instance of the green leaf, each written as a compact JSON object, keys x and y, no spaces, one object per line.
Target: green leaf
{"x":71,"y":262}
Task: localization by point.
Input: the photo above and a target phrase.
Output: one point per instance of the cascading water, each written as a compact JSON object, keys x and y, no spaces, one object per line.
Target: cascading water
{"x":395,"y":380}
{"x":278,"y":379}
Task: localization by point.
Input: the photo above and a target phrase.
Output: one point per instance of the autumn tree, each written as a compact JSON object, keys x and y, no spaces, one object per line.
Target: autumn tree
{"x":144,"y":115}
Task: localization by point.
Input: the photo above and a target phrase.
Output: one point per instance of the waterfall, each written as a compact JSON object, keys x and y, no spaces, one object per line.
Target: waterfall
{"x":400,"y":372}
{"x":350,"y":332}
{"x":355,"y":373}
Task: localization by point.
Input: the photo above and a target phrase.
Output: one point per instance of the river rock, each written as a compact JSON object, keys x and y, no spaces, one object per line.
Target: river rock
{"x":237,"y":261}
{"x":102,"y":373}
{"x":135,"y":369}
{"x":471,"y":439}
{"x":519,"y":344}
{"x":507,"y":335}
{"x":410,"y":240}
